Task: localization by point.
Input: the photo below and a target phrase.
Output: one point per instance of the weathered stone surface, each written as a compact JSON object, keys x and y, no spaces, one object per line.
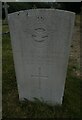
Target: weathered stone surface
{"x":41,"y":40}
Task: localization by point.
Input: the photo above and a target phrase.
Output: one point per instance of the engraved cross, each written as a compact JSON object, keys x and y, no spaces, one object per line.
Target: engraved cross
{"x":39,"y":76}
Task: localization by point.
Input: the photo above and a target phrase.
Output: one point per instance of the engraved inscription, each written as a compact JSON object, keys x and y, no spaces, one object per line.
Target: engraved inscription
{"x":39,"y":35}
{"x":39,"y":76}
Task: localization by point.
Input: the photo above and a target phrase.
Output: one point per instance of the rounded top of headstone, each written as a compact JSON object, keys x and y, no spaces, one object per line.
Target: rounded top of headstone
{"x":30,"y":11}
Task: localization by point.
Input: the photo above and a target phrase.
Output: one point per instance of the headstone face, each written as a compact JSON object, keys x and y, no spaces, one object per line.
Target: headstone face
{"x":41,"y":40}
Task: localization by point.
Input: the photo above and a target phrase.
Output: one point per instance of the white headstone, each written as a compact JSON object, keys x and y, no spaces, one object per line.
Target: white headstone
{"x":41,"y":40}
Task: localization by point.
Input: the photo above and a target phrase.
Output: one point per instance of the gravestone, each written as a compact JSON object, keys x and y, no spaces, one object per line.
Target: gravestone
{"x":41,"y":41}
{"x":6,"y":6}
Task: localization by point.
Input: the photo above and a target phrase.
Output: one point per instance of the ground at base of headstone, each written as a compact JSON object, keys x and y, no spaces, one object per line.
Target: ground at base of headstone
{"x":13,"y":108}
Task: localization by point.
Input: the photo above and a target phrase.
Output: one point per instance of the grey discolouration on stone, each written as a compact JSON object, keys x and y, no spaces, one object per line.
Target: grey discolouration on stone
{"x":40,"y":41}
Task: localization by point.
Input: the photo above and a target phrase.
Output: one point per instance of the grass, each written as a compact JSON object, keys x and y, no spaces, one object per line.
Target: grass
{"x":0,"y":68}
{"x":13,"y":108}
